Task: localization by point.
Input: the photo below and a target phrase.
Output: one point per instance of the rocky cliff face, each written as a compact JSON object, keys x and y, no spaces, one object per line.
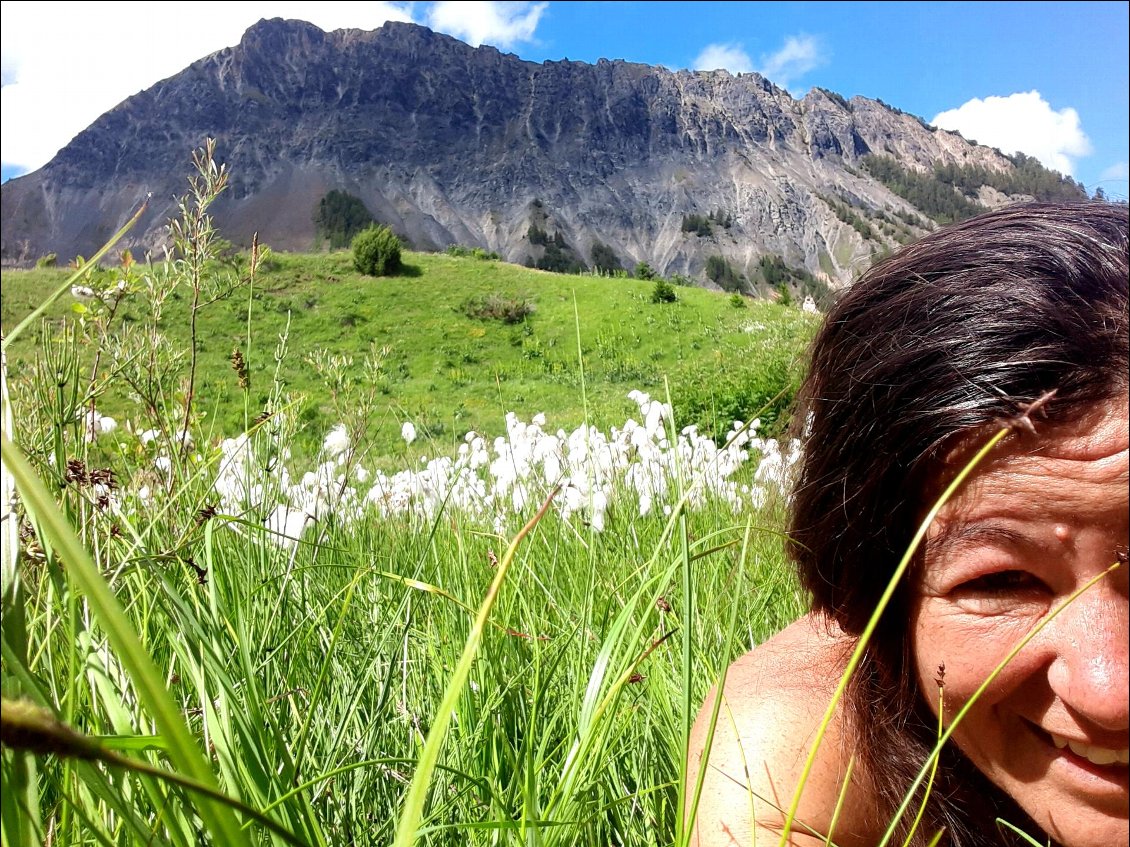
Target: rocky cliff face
{"x":453,"y":144}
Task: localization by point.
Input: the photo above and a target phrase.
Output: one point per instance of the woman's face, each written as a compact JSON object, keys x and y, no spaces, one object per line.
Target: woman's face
{"x":1027,"y":530}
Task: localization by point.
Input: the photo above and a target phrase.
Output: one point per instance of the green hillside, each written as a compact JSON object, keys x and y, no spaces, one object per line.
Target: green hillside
{"x":441,"y":366}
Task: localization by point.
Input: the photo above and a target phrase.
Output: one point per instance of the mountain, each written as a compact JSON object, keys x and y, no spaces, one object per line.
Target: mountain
{"x":450,"y":144}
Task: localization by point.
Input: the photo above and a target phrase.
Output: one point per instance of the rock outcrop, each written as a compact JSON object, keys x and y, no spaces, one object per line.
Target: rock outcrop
{"x":453,"y":144}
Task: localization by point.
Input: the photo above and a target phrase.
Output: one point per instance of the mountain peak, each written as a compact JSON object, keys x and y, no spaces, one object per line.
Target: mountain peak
{"x":449,"y":143}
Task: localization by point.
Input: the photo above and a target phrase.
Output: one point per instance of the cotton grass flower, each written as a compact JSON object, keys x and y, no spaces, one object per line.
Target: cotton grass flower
{"x":95,"y":424}
{"x":634,"y":469}
{"x":337,"y":442}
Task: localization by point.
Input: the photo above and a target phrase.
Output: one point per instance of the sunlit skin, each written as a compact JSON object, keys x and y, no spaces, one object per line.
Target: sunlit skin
{"x":1043,"y":516}
{"x":1031,"y":528}
{"x":775,"y":698}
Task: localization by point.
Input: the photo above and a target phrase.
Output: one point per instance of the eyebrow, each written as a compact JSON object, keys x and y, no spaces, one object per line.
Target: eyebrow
{"x":962,"y":535}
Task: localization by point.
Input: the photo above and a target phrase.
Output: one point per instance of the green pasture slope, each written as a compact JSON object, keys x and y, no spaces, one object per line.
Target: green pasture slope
{"x":450,"y":373}
{"x":392,"y":681}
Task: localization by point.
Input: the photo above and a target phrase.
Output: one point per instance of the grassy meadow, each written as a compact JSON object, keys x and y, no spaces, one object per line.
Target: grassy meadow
{"x":588,"y":341}
{"x":428,"y":662}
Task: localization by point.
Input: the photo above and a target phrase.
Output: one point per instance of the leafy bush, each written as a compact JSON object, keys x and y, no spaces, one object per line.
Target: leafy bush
{"x":498,"y":307}
{"x":48,"y":261}
{"x":376,"y":251}
{"x":663,"y":292}
{"x":339,"y":216}
{"x":713,"y":398}
{"x":737,"y":301}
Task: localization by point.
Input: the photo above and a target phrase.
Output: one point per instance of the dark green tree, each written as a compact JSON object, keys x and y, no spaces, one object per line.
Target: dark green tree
{"x":663,"y":292}
{"x":699,"y":225}
{"x":339,"y":216}
{"x":604,"y":258}
{"x":722,"y":273}
{"x":644,"y":271}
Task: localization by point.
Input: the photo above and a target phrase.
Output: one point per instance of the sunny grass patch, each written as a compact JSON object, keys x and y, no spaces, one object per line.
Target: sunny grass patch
{"x":303,"y":680}
{"x":445,"y":371}
{"x":320,"y":667}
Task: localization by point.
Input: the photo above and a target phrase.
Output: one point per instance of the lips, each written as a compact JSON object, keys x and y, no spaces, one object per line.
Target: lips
{"x":1094,"y":755}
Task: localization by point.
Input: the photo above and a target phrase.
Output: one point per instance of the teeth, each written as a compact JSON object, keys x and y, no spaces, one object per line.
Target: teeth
{"x":1094,"y":755}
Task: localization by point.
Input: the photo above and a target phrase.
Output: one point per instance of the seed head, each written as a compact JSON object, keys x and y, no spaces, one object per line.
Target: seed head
{"x":239,"y":365}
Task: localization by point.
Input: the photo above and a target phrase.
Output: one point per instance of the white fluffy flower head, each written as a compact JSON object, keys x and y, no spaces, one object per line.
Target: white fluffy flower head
{"x":337,"y":442}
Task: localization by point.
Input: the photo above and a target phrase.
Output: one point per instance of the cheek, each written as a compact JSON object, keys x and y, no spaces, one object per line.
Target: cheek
{"x":968,"y":646}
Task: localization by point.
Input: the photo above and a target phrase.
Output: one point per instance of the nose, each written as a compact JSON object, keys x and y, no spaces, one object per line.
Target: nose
{"x":1091,"y":670}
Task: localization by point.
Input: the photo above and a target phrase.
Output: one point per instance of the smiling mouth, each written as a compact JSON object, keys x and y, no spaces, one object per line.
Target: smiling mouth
{"x":1095,"y":755}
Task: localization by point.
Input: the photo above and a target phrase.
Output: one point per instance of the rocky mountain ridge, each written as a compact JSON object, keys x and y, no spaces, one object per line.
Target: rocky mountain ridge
{"x":450,"y":144}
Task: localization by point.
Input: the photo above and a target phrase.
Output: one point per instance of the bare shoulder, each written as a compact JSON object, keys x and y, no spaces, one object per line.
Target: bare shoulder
{"x":774,"y":700}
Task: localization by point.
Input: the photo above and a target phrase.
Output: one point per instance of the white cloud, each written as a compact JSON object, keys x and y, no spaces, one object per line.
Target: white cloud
{"x":799,"y":55}
{"x":62,"y":69}
{"x":495,"y":23}
{"x":731,"y":57}
{"x":1024,"y":122}
{"x":1119,"y":170}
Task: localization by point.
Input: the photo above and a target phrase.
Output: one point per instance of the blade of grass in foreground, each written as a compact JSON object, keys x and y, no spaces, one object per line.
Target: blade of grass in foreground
{"x":880,"y":607}
{"x":182,"y":749}
{"x":1018,"y":832}
{"x":30,"y":727}
{"x":685,"y":816}
{"x":413,"y":810}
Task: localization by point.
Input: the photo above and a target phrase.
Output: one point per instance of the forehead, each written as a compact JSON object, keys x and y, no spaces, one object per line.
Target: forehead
{"x":1071,"y":473}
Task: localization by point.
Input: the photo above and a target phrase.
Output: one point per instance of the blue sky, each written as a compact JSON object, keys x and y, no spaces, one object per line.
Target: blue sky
{"x":1047,"y":78}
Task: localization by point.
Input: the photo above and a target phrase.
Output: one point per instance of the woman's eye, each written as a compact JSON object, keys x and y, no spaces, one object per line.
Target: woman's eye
{"x":1003,"y":581}
{"x":1004,"y":592}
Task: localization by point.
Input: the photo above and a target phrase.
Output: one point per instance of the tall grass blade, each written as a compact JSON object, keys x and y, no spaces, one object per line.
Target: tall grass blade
{"x":687,"y":816}
{"x":182,"y":749}
{"x":413,"y":809}
{"x":24,"y":726}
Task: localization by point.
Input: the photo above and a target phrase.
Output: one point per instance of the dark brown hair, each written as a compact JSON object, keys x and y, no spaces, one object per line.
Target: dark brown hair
{"x":948,"y":337}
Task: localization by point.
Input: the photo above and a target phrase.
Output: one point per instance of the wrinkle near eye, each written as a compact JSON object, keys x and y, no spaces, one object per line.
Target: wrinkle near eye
{"x":966,"y":620}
